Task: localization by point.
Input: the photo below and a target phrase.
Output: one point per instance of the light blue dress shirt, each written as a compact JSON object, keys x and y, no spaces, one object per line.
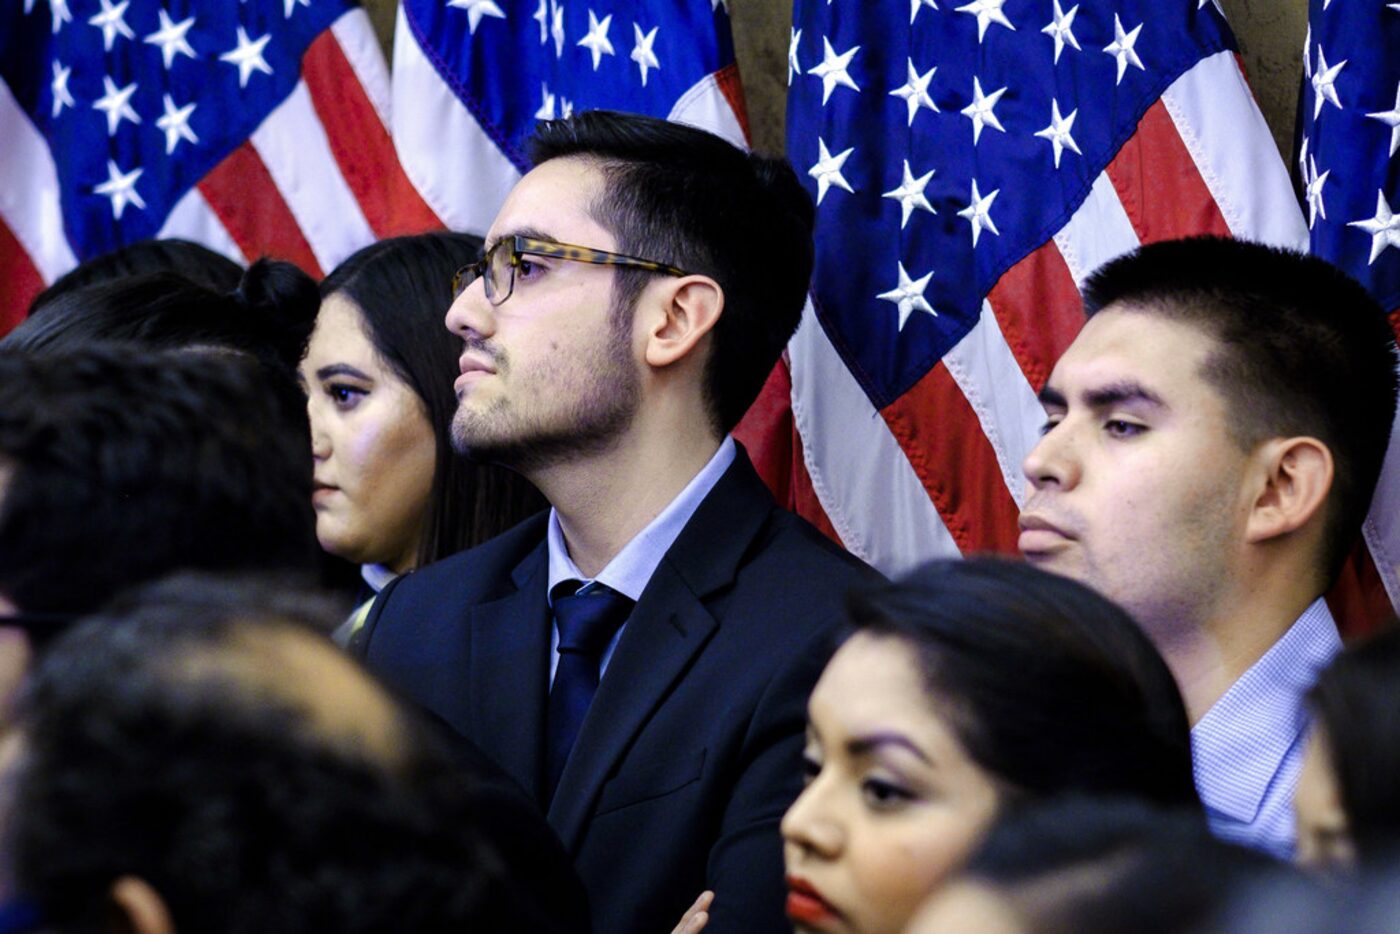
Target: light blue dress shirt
{"x":631,"y":568}
{"x":1248,"y":748}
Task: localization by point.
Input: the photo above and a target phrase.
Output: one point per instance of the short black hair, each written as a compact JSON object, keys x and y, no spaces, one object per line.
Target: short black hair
{"x":1302,"y":349}
{"x":678,"y":195}
{"x":141,"y":755}
{"x":193,"y":261}
{"x":1111,"y":865}
{"x":402,"y":288}
{"x":1050,"y":687}
{"x":125,"y":463}
{"x":1354,"y":703}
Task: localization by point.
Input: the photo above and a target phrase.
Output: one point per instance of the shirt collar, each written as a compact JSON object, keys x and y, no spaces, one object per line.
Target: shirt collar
{"x":377,"y":576}
{"x":631,"y":568}
{"x":1243,"y":739}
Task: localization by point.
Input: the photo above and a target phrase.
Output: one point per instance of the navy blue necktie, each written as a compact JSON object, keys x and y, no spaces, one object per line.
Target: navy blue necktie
{"x":587,"y":622}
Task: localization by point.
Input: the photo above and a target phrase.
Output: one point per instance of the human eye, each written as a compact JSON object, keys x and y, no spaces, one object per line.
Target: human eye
{"x":344,"y":396}
{"x":811,"y":766}
{"x":527,"y":269}
{"x":884,"y":795}
{"x":1051,"y":420}
{"x":1123,"y":429}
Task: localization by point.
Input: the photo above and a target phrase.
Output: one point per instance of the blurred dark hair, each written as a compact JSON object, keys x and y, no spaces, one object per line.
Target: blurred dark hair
{"x":676,"y":194}
{"x":1294,"y":903}
{"x":193,"y":261}
{"x":1111,"y":866}
{"x":402,"y":288}
{"x":1354,"y":701}
{"x":1301,"y":349}
{"x":126,"y":463}
{"x":1049,"y":687}
{"x":268,"y":314}
{"x":145,"y":753}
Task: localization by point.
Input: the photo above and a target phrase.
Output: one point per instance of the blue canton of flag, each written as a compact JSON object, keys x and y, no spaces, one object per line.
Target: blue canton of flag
{"x":472,"y":77}
{"x":138,"y":101}
{"x":1349,"y":157}
{"x":944,"y":142}
{"x":546,"y":60}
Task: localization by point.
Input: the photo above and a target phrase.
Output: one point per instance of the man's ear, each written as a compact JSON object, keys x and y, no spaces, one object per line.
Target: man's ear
{"x":689,"y":308}
{"x":1297,"y":476}
{"x":137,"y":908}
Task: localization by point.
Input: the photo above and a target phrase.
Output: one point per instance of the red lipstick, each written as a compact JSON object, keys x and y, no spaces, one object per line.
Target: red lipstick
{"x":805,"y":904}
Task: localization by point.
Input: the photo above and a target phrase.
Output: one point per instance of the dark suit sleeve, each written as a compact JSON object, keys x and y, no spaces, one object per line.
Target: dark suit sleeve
{"x":746,"y":864}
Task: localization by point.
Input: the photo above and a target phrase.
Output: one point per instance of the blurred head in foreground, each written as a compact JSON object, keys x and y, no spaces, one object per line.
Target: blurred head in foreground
{"x":198,"y":757}
{"x":1107,"y":866}
{"x":120,"y":464}
{"x":967,"y":689}
{"x":1348,"y":796}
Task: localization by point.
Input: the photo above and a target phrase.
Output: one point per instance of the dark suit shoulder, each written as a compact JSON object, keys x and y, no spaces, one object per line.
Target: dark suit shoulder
{"x":484,"y":567}
{"x":796,"y":538}
{"x":439,"y":592}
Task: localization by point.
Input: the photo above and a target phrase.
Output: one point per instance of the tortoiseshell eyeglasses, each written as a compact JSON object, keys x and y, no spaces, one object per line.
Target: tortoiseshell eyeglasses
{"x":497,"y":268}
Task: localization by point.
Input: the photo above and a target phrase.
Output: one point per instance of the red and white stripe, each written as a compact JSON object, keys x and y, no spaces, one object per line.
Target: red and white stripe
{"x":33,"y":248}
{"x":937,"y":472}
{"x":317,"y":180}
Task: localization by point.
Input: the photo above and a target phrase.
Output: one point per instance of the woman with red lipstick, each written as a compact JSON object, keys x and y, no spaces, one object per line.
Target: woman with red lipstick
{"x":965,"y":688}
{"x":389,"y":493}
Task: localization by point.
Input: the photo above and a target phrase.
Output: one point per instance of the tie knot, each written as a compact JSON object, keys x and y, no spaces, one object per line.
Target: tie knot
{"x":587,"y":621}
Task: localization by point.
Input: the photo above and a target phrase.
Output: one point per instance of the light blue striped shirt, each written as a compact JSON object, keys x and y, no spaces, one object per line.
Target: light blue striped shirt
{"x":1248,"y":748}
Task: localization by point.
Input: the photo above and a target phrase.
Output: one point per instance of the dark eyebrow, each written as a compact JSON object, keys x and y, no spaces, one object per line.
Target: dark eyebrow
{"x":341,"y":369}
{"x":1105,"y":397}
{"x":530,"y":233}
{"x":862,"y":745}
{"x":1118,"y":393}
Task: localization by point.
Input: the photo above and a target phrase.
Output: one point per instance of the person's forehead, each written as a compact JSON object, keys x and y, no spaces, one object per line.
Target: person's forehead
{"x":1122,"y":343}
{"x":555,"y":199}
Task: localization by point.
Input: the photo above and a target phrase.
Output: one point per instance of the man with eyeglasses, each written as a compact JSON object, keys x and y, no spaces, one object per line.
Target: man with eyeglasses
{"x":639,"y":657}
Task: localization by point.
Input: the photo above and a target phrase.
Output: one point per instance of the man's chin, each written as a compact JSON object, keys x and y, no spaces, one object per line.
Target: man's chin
{"x":1056,"y":561}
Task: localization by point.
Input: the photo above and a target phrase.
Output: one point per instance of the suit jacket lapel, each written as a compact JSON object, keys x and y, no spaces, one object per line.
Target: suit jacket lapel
{"x":669,"y":626}
{"x":509,"y":676}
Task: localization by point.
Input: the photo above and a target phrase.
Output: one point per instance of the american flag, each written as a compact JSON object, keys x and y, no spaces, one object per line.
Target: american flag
{"x":973,"y":161}
{"x":1349,"y":167}
{"x":255,"y":127}
{"x":472,"y":77}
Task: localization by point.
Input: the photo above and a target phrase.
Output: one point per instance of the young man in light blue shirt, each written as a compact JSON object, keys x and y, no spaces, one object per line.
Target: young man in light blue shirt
{"x":1214,"y":435}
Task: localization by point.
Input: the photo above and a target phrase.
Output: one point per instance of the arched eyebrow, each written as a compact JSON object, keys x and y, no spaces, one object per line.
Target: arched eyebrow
{"x":341,"y":369}
{"x":863,"y":745}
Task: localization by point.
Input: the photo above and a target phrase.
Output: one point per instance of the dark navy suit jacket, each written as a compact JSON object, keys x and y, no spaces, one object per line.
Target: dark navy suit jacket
{"x":691,"y":750}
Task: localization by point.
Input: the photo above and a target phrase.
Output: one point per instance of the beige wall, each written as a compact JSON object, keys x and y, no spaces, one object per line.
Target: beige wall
{"x":1270,"y":33}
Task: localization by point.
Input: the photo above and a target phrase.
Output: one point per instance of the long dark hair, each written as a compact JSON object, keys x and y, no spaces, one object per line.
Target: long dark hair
{"x":1049,"y":687}
{"x":402,"y":288}
{"x":1354,"y":702}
